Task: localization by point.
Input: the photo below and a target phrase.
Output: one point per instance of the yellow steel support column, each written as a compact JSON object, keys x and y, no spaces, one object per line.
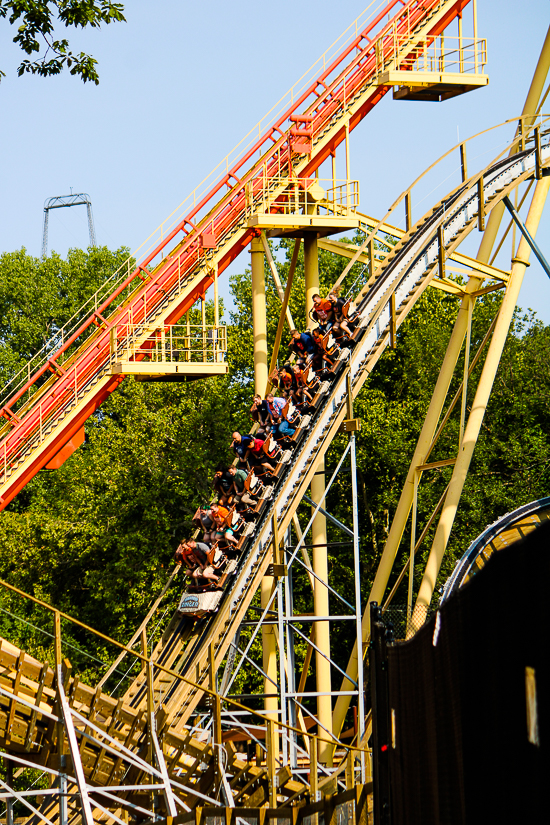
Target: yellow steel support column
{"x":321,"y":608}
{"x":441,"y":538}
{"x":259,"y":324}
{"x":311,"y":272}
{"x":259,"y":321}
{"x":269,"y":650}
{"x":320,"y":555}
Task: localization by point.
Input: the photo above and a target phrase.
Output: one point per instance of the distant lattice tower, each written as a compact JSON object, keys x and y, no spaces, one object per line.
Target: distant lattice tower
{"x":81,"y":199}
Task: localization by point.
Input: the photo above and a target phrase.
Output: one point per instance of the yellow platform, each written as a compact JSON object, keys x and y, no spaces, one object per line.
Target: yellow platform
{"x":290,"y":226}
{"x":160,"y":369}
{"x":433,"y":86}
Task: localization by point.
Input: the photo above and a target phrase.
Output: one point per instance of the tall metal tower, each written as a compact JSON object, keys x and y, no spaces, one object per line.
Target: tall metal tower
{"x":67,"y":200}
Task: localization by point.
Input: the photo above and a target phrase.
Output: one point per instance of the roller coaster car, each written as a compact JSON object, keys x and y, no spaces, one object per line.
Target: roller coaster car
{"x":324,"y":387}
{"x":305,"y":421}
{"x":309,"y":378}
{"x":328,"y":343}
{"x":266,"y":495}
{"x":248,"y":512}
{"x":254,"y":486}
{"x":203,"y":600}
{"x":291,"y":414}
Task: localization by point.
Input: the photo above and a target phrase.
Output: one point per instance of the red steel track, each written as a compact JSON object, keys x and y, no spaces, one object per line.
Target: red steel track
{"x":72,"y":382}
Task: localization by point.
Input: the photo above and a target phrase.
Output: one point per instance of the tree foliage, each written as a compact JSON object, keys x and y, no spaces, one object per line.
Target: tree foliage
{"x":36,"y":21}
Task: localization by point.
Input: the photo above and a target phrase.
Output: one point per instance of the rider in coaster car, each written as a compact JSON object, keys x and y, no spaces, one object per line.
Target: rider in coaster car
{"x":223,"y":485}
{"x":240,"y":494}
{"x":193,"y":556}
{"x":241,"y":445}
{"x":300,"y":395}
{"x":302,"y":343}
{"x":207,"y":523}
{"x":341,"y":328}
{"x":321,"y":356}
{"x":322,"y":311}
{"x":249,"y":451}
{"x":280,"y":427}
{"x":223,"y":532}
{"x":260,"y":414}
{"x":287,"y":380}
{"x":339,"y":303}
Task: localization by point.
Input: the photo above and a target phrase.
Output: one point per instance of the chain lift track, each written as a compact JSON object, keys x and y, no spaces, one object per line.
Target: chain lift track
{"x":48,"y":402}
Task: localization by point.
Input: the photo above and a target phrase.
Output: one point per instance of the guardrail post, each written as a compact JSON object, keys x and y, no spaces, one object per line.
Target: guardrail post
{"x":441,"y":250}
{"x":372,"y":262}
{"x":9,"y":800}
{"x":271,"y":763}
{"x":347,"y":164}
{"x":203,"y":321}
{"x":350,"y":770}
{"x":538,"y":157}
{"x":314,"y":776}
{"x":481,"y":200}
{"x":521,"y":130}
{"x":60,"y":728}
{"x":474,"y":15}
{"x":329,"y":807}
{"x":393,"y":327}
{"x":150,"y":713}
{"x":361,"y":805}
{"x":460,"y":54}
{"x":463,"y":162}
{"x":216,"y":711}
{"x":216,"y":315}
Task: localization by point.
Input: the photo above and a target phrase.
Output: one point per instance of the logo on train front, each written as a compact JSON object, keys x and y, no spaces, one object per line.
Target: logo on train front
{"x":189,"y":603}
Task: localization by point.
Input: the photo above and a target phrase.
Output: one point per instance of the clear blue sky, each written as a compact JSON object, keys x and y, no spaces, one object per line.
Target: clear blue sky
{"x":181,"y":83}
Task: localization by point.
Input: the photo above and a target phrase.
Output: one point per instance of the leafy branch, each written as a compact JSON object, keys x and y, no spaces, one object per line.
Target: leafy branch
{"x":36,"y":30}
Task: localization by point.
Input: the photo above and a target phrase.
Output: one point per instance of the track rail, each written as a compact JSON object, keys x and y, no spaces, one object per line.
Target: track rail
{"x":504,"y":531}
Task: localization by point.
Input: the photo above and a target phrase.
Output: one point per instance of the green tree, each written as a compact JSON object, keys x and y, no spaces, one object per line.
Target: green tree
{"x":37,"y":20}
{"x":38,"y":297}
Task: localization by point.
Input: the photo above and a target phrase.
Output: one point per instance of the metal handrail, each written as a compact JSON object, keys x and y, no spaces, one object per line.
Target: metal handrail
{"x":174,"y":343}
{"x":332,"y":78}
